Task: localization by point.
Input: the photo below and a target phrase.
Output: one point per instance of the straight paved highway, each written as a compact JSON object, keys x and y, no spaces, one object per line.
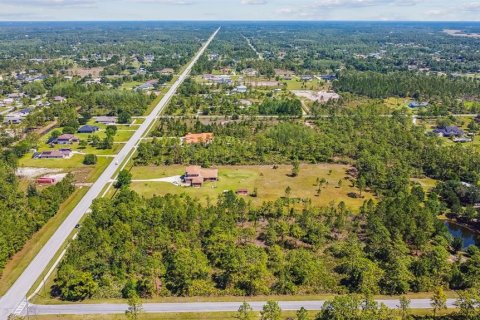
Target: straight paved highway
{"x":199,"y":307}
{"x":14,"y":300}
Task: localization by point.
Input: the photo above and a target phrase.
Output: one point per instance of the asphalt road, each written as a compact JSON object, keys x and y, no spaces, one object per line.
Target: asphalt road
{"x":14,"y":300}
{"x":199,"y":307}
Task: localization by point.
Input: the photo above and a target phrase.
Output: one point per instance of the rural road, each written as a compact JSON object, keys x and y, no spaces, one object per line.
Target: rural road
{"x":14,"y":300}
{"x":199,"y":307}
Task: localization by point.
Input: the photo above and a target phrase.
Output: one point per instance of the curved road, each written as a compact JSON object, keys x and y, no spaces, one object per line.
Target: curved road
{"x":14,"y":300}
{"x":198,"y":307}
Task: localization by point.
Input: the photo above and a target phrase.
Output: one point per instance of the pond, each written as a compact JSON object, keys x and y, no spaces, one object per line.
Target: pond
{"x":469,"y":237}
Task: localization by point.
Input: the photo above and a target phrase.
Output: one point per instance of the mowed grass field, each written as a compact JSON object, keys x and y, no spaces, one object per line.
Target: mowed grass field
{"x":270,"y":183}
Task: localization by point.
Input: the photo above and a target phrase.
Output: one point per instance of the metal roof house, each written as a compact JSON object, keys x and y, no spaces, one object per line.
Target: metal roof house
{"x":449,"y":131}
{"x":88,"y":129}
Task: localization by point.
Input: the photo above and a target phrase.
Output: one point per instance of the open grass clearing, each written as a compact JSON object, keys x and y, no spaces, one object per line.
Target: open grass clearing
{"x":427,"y":183}
{"x":296,"y":84}
{"x":44,"y":297}
{"x":270,"y":183}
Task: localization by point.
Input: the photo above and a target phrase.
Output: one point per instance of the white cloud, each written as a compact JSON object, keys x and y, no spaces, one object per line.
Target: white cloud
{"x":50,"y":3}
{"x":254,"y":2}
{"x":472,"y":6}
{"x":361,"y":3}
{"x":169,"y":2}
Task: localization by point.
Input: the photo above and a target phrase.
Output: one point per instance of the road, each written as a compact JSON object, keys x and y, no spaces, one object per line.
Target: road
{"x":260,"y":56}
{"x":199,"y":307}
{"x":14,"y":300}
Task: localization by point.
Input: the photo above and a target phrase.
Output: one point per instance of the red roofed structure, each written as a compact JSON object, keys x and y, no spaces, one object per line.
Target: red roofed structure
{"x":205,"y":138}
{"x":196,"y":175}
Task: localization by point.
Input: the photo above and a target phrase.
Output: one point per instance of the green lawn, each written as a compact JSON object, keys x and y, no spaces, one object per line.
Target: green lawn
{"x":426,"y":183}
{"x":270,"y":183}
{"x":296,"y":84}
{"x":130,"y":85}
{"x":123,"y":135}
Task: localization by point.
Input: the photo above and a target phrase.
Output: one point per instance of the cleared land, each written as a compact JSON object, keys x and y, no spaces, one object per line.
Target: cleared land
{"x":270,"y":183}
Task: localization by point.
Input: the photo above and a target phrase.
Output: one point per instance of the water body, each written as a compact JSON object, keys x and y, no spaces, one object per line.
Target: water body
{"x":469,"y":237}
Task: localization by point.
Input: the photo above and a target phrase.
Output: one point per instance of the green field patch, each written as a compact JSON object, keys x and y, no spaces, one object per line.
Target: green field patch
{"x":269,"y":183}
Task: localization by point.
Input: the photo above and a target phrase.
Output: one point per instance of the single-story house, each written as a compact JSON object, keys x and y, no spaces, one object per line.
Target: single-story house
{"x":205,"y":137}
{"x":196,"y":175}
{"x":149,"y":85}
{"x":306,"y":78}
{"x":88,"y":129}
{"x":66,"y":139}
{"x":213,"y":56}
{"x":54,"y":154}
{"x":11,"y":119}
{"x":416,"y":104}
{"x":106,"y":120}
{"x":16,"y":95}
{"x":449,"y":131}
{"x":284,"y":73}
{"x":250,"y":72}
{"x":226,"y":70}
{"x":167,"y":71}
{"x":328,"y":77}
{"x":245,"y":102}
{"x":24,"y":112}
{"x":241,"y":89}
{"x":59,"y":99}
{"x":462,"y":140}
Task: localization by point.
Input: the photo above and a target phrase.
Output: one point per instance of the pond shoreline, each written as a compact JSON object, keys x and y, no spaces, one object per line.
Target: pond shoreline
{"x":469,"y":235}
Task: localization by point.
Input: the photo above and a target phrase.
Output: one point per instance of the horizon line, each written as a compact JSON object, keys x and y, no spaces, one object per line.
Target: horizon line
{"x":247,"y":20}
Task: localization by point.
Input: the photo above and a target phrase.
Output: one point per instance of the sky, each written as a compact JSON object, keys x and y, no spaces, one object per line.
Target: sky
{"x":62,"y":10}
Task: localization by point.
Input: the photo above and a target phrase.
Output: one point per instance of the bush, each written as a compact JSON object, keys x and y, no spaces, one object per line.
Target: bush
{"x":90,"y":159}
{"x":124,"y":179}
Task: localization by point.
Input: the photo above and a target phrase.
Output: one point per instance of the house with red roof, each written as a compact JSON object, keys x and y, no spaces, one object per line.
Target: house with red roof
{"x":195,"y":176}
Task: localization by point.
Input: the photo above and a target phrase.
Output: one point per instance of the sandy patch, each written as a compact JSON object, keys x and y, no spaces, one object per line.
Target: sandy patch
{"x":176,"y":180}
{"x":83,"y":72}
{"x":320,"y":96}
{"x":37,"y":172}
{"x":264,"y":83}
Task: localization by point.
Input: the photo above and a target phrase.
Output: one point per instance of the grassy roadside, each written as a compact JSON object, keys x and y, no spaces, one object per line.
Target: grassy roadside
{"x":196,"y":316}
{"x":19,"y":262}
{"x":46,"y":299}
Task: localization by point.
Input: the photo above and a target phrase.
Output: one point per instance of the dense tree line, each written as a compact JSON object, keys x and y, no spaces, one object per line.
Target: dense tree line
{"x":292,"y":107}
{"x":406,"y":84}
{"x":172,"y":245}
{"x":23,"y":213}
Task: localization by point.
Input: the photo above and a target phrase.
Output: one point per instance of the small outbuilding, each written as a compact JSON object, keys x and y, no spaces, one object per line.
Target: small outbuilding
{"x":242,"y":192}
